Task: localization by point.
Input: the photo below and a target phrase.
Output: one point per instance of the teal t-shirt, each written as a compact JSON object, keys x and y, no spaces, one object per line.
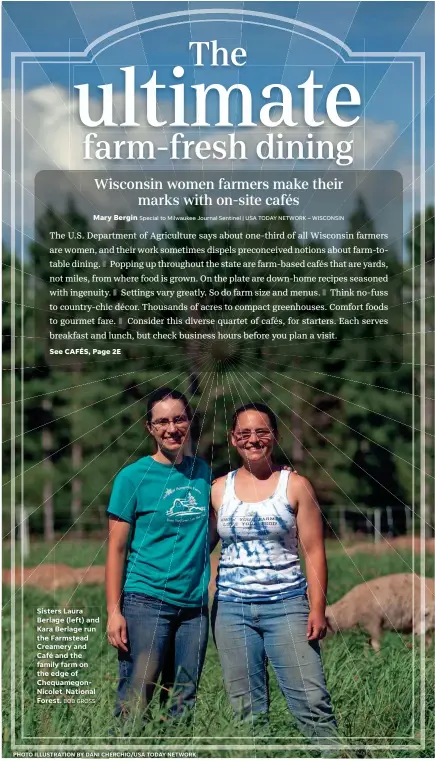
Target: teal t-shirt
{"x":167,"y":506}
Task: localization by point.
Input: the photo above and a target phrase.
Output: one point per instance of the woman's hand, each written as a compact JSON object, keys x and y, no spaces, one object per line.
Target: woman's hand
{"x":316,"y":626}
{"x":117,"y":631}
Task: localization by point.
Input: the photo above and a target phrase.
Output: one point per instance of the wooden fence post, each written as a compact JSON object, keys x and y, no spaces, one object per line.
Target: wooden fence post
{"x":377,"y":522}
{"x":24,"y":532}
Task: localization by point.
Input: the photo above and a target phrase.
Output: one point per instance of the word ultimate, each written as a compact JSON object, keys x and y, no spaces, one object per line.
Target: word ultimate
{"x":276,"y":106}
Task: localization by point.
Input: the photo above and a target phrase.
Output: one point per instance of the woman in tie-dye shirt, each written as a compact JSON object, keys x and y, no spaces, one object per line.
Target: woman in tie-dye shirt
{"x":262,"y":611}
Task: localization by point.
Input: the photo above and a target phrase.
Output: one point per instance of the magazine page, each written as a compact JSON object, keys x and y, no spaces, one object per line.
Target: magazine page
{"x":218,"y":420}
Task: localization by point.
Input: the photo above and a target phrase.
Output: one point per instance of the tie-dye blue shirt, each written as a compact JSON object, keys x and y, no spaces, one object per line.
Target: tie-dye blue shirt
{"x":260,"y":559}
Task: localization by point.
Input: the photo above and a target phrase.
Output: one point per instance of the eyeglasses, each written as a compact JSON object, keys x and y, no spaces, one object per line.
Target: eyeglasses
{"x":180,"y":422}
{"x":264,"y":434}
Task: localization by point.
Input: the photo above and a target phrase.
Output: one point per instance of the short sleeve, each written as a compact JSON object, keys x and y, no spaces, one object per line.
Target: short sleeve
{"x":122,"y":502}
{"x":206,"y":472}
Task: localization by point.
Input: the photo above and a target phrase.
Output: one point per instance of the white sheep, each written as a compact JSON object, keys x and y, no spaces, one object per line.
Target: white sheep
{"x":389,"y":602}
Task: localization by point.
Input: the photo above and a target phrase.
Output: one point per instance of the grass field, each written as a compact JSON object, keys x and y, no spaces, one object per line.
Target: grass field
{"x":376,"y":697}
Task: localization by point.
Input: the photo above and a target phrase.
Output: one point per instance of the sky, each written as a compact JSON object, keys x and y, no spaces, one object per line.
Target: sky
{"x":47,"y":102}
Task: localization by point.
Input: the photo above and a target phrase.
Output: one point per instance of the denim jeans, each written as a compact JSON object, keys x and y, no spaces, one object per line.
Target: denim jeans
{"x":159,"y":632}
{"x":247,"y":635}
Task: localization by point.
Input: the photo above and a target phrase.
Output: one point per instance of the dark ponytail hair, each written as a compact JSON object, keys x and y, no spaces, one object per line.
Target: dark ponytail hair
{"x":166,"y":393}
{"x":259,"y":407}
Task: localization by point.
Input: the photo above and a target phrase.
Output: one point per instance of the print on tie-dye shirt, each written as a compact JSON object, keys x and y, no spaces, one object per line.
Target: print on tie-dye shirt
{"x":259,"y":560}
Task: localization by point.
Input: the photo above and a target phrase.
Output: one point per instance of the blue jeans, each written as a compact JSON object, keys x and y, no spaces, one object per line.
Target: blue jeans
{"x":247,"y":635}
{"x":160,"y":634}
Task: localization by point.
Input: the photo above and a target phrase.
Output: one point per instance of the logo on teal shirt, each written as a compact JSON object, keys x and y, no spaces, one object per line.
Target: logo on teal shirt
{"x":185,"y":509}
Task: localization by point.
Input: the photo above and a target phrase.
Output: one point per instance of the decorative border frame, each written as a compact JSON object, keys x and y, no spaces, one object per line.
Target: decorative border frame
{"x":102,"y":43}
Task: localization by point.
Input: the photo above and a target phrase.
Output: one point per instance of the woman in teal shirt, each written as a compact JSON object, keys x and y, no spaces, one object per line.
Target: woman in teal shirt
{"x":157,"y":600}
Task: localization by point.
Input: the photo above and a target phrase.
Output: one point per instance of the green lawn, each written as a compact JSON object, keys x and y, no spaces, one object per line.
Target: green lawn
{"x":376,"y":697}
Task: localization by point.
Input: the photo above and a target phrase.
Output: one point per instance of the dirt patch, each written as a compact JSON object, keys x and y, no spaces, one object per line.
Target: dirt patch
{"x":51,"y":576}
{"x":387,"y":545}
{"x":47,"y":576}
{"x":94,"y":574}
{"x":409,"y":542}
